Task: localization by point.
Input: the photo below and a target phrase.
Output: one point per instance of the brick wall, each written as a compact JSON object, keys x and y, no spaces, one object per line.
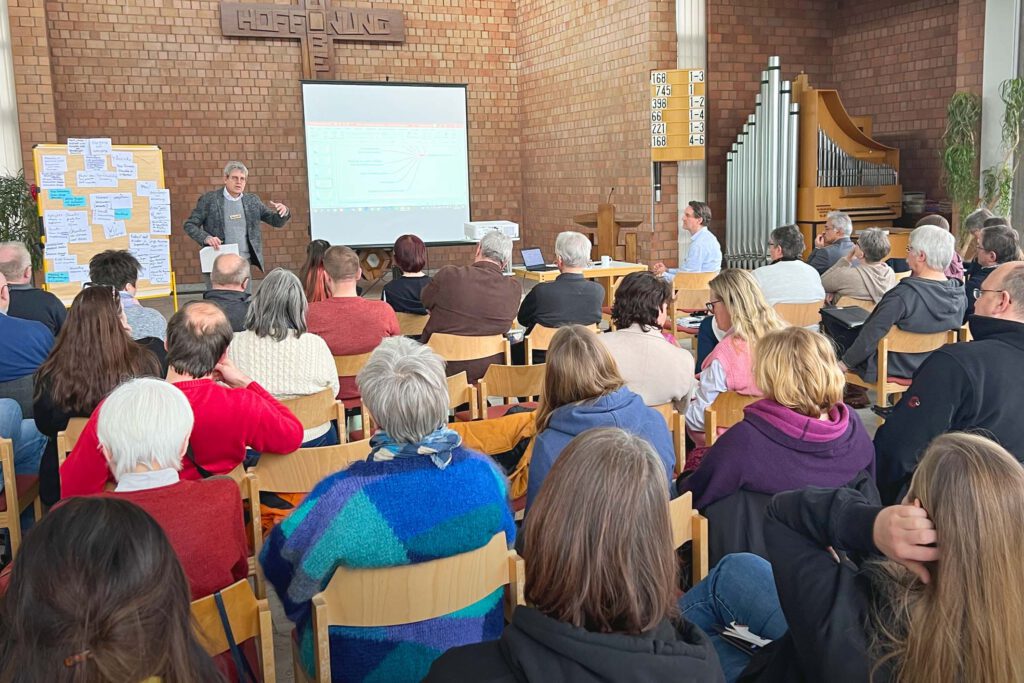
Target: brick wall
{"x":33,"y":83}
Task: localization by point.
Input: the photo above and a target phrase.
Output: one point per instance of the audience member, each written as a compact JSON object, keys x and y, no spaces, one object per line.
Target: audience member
{"x":974,"y":222}
{"x":602,"y":610}
{"x":955,"y":269}
{"x":962,"y":387}
{"x":28,"y":302}
{"x":787,"y":279}
{"x":66,"y":387}
{"x":739,"y":309}
{"x":277,"y":351}
{"x":475,"y":300}
{"x":26,"y":440}
{"x":862,"y":273}
{"x":350,"y":324}
{"x":315,"y":281}
{"x":925,"y":302}
{"x":800,"y":434}
{"x":833,"y":242}
{"x":583,"y":390}
{"x":231,"y":411}
{"x":570,"y":299}
{"x":120,"y":270}
{"x":997,"y":245}
{"x":405,"y":293}
{"x":705,"y":253}
{"x":229,"y":282}
{"x":928,"y":590}
{"x":24,"y":345}
{"x":656,"y":369}
{"x":97,"y":595}
{"x":375,"y":514}
{"x":143,"y":430}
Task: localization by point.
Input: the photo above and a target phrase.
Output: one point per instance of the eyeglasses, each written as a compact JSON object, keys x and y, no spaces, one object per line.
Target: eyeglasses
{"x":772,"y":244}
{"x":710,"y":305}
{"x":979,"y":291}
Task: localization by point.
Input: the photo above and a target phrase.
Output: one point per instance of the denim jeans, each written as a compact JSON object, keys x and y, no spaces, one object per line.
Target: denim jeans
{"x":28,"y":442}
{"x":740,"y":588}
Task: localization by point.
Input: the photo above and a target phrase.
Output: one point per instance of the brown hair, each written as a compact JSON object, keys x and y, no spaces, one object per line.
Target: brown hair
{"x":579,"y":368}
{"x":933,"y":219}
{"x":93,"y":354}
{"x":798,"y":369}
{"x":701,"y":211}
{"x":964,"y":624}
{"x":197,"y":337}
{"x":592,"y":561}
{"x":314,"y":278}
{"x":97,"y":594}
{"x":341,"y":263}
{"x":639,"y":299}
{"x":410,"y":254}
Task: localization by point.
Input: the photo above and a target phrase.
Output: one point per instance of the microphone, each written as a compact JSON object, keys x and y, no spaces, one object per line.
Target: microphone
{"x":610,"y":196}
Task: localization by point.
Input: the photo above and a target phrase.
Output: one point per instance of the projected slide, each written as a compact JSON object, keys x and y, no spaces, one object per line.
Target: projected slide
{"x":384,"y":160}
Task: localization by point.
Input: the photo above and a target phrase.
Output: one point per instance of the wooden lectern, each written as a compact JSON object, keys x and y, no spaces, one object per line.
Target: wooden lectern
{"x":612,"y":235}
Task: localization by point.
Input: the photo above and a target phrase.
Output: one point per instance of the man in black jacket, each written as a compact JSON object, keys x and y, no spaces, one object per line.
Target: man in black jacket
{"x":229,"y":282}
{"x":997,"y":244}
{"x":963,"y":386}
{"x":28,"y":302}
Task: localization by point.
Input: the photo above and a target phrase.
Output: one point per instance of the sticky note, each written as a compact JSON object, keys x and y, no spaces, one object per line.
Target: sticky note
{"x":74,"y":201}
{"x":122,"y":214}
{"x":59,"y":194}
{"x":57,"y":278}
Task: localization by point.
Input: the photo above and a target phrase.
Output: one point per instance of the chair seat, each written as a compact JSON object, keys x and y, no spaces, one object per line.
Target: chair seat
{"x":902,"y":381}
{"x":28,"y":488}
{"x":494,"y":411}
{"x":692,"y":331}
{"x":351,"y":403}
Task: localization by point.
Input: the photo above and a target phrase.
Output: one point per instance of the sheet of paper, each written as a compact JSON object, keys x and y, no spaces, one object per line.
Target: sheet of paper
{"x":54,"y":249}
{"x":207,"y":255}
{"x":159,"y":261}
{"x":86,"y":178}
{"x":160,"y":220}
{"x":159,"y":197}
{"x":122,"y":214}
{"x":74,"y":202}
{"x":57,"y":278}
{"x":138,"y":245}
{"x":53,"y":163}
{"x":55,"y":222}
{"x":102,"y":214}
{"x":122,"y":158}
{"x":95,"y":163}
{"x":113,"y":229}
{"x":65,"y":262}
{"x":128,"y":172}
{"x":144,"y":187}
{"x":121,"y":200}
{"x":79,"y":230}
{"x":78,"y":146}
{"x":106,"y":178}
{"x":100,"y":146}
{"x":63,"y":193}
{"x":79,"y":274}
{"x":51,"y":180}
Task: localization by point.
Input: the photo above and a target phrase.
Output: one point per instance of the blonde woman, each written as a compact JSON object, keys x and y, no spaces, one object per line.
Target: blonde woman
{"x":800,"y":434}
{"x":928,"y":591}
{"x":583,"y":390}
{"x":740,"y":309}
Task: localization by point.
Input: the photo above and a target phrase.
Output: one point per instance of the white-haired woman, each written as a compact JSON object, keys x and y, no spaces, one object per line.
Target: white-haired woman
{"x":418,"y":496}
{"x":143,"y":428}
{"x":278,"y":352}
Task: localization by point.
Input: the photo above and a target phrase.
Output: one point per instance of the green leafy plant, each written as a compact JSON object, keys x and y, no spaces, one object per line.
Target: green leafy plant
{"x":997,"y":180}
{"x":19,"y":217}
{"x":960,"y":152}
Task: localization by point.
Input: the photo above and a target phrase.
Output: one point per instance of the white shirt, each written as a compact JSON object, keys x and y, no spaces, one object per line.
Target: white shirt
{"x":789,"y":282}
{"x":227,"y":196}
{"x":142,"y":481}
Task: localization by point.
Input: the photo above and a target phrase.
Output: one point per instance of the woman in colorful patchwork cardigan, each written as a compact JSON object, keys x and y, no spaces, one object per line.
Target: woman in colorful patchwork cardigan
{"x":419,"y":496}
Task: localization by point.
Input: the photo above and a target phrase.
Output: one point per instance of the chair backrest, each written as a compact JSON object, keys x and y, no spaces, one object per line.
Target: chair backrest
{"x":847,"y":301}
{"x":302,"y":470}
{"x":540,"y":338}
{"x":900,"y":276}
{"x":901,"y":341}
{"x":411,"y":324}
{"x":800,"y":315}
{"x":460,"y":392}
{"x":67,"y":439}
{"x":315,"y":409}
{"x":964,"y":333}
{"x":457,"y":347}
{"x":677,"y":427}
{"x":512,"y":380}
{"x":248,"y":618}
{"x":689,"y":525}
{"x":691,"y":292}
{"x":725,"y":411}
{"x":349,"y":366}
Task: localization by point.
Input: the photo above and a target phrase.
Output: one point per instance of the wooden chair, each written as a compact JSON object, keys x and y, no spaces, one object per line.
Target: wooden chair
{"x":847,"y":301}
{"x":691,"y":295}
{"x":67,"y":439}
{"x":20,"y":491}
{"x":411,"y":324}
{"x":409,"y":593}
{"x":725,"y":411}
{"x":316,"y":409}
{"x":899,"y":341}
{"x":456,"y":347}
{"x":690,"y":525}
{"x":349,"y":366}
{"x":800,"y":315}
{"x":248,"y":617}
{"x":461,"y":392}
{"x":510,"y":381}
{"x":677,"y":426}
{"x":540,"y":338}
{"x":900,"y":276}
{"x":964,"y":333}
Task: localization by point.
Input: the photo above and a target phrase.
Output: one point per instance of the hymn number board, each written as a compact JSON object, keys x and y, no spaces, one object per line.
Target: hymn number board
{"x":678,"y":114}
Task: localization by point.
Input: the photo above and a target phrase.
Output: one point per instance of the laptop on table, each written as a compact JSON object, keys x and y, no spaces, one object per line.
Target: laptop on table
{"x":533,"y":260}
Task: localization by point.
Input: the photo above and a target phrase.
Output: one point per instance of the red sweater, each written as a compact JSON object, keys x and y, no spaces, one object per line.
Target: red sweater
{"x":351,"y":326}
{"x":203,"y":521}
{"x":227,"y":421}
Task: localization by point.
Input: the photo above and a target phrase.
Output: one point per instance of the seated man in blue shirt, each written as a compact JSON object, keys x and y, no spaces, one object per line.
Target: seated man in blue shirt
{"x":705,"y":254}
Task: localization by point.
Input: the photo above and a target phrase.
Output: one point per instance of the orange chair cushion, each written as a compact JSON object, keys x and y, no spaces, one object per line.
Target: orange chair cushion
{"x":24,"y":484}
{"x":494,"y":411}
{"x":351,"y":403}
{"x":902,"y":381}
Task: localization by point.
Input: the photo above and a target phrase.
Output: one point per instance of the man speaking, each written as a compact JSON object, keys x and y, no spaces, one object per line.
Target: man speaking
{"x":230,"y":216}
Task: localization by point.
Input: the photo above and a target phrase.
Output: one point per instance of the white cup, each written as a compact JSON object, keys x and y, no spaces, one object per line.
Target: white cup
{"x":606,"y":261}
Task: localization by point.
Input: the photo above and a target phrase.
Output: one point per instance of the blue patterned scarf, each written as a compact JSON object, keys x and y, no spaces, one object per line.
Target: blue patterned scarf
{"x":439,"y":445}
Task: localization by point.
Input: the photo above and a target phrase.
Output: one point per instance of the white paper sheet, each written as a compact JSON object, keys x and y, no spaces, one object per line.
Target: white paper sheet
{"x":78,"y":146}
{"x":99,"y":146}
{"x":95,"y":163}
{"x":207,"y":255}
{"x":55,"y":163}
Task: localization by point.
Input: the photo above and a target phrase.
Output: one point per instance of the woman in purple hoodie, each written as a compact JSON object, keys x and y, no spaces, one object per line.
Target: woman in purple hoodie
{"x":801,"y":434}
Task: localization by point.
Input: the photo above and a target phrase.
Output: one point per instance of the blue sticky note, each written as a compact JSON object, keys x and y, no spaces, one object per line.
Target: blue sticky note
{"x":122,"y":214}
{"x":55,"y":278}
{"x":59,"y":194}
{"x":73,"y":202}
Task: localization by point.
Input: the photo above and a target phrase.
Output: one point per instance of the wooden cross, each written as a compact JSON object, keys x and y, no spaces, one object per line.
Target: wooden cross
{"x":314,"y":23}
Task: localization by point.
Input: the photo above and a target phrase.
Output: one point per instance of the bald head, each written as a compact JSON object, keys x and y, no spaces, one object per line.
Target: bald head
{"x":1002,"y":293}
{"x":230,"y":271}
{"x":15,"y":263}
{"x":197,"y":338}
{"x":5,"y":295}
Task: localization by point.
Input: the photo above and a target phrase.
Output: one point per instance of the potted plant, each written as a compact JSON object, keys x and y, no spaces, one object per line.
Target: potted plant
{"x":19,"y":214}
{"x":960,"y":154}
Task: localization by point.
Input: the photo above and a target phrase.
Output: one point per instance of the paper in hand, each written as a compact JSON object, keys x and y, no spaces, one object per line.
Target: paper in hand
{"x":207,"y":255}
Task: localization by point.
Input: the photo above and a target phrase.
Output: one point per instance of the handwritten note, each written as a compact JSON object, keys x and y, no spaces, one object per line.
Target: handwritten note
{"x":95,"y":163}
{"x":74,"y":201}
{"x":122,"y":158}
{"x":79,"y":274}
{"x":65,"y":262}
{"x":78,"y":146}
{"x":79,"y":230}
{"x":51,"y":180}
{"x":144,"y":187}
{"x":58,"y":278}
{"x":59,"y":194}
{"x":55,"y":163}
{"x":128,"y":172}
{"x":100,"y":146}
{"x":56,"y":224}
{"x":113,"y":229}
{"x":160,"y":220}
{"x":55,"y":249}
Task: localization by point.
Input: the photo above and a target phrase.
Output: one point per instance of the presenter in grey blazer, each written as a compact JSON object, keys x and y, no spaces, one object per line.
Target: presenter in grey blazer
{"x":231,"y":216}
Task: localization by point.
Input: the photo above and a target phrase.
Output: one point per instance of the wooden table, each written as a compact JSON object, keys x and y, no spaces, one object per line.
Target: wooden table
{"x":608,"y":277}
